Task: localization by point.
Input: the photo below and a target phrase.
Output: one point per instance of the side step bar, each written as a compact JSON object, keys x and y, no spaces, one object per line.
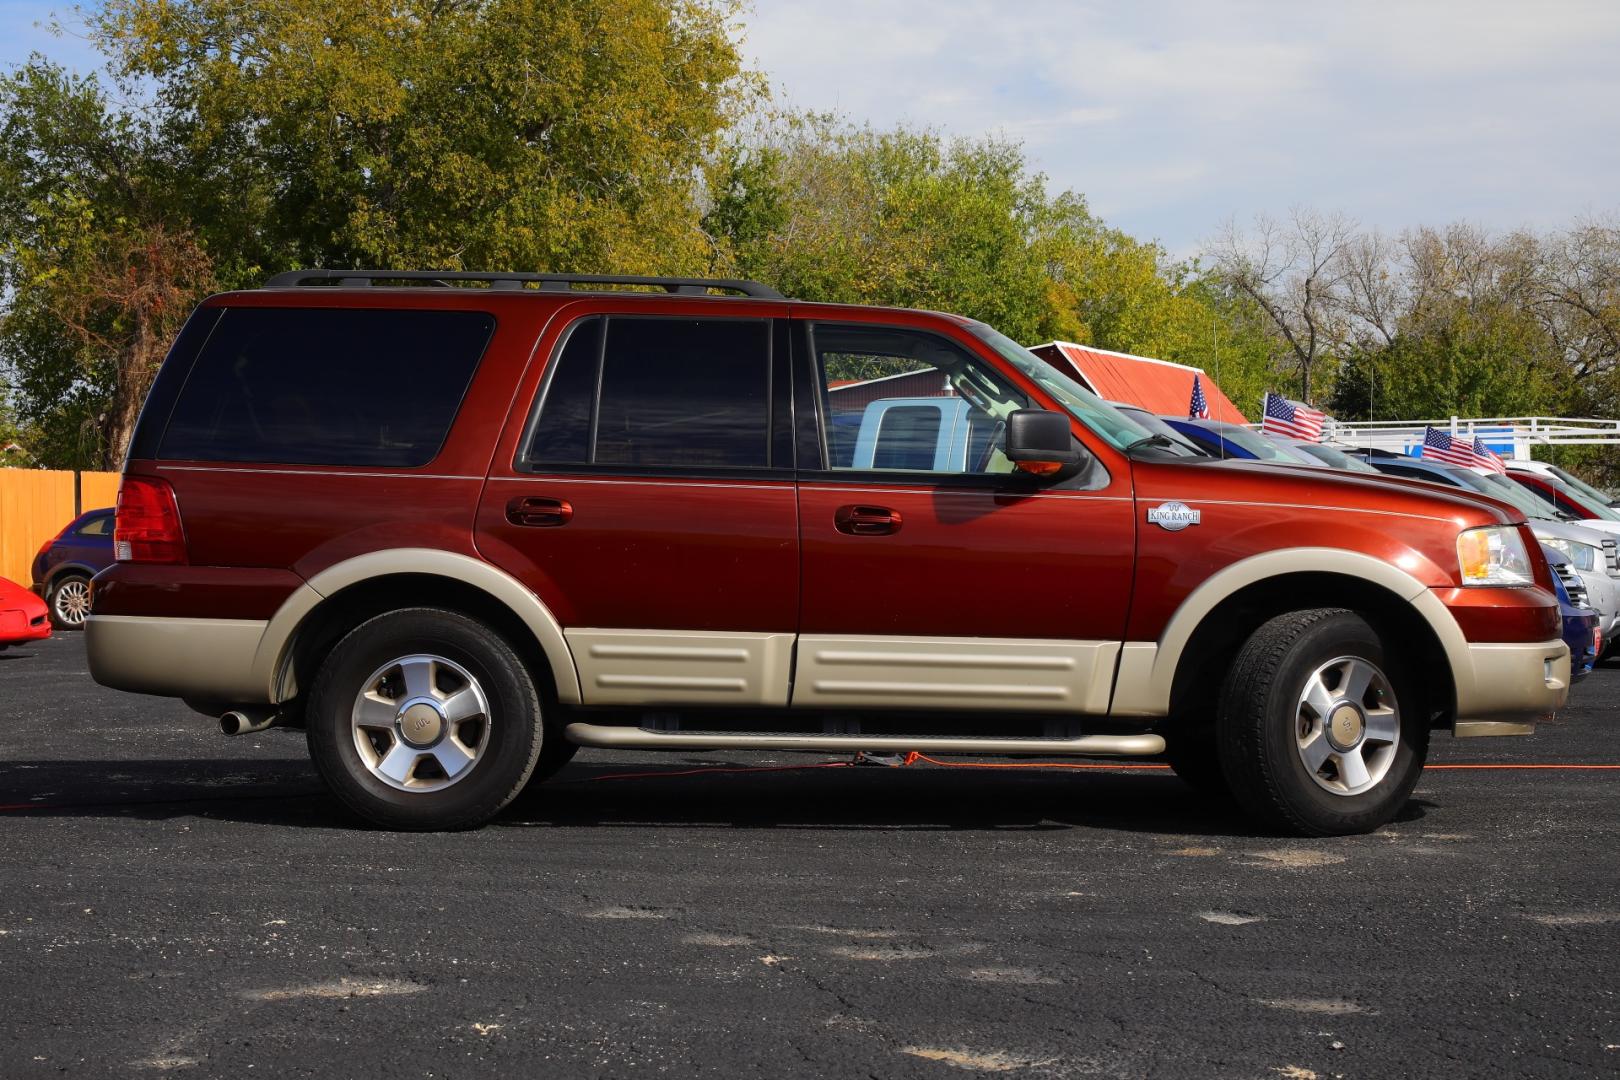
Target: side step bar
{"x":635,"y":738}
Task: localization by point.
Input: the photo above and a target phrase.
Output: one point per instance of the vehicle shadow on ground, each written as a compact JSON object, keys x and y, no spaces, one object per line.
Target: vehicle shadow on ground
{"x":286,"y":792}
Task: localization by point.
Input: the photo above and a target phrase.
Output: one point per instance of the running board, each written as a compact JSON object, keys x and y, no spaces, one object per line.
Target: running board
{"x":635,"y":738}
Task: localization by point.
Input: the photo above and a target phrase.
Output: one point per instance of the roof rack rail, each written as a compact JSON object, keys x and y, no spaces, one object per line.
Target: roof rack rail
{"x":547,"y":282}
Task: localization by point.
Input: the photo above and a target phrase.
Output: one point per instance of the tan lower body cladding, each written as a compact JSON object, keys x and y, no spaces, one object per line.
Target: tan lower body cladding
{"x":669,"y":667}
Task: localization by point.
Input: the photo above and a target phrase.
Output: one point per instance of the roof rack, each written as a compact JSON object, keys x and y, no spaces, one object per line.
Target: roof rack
{"x":548,"y":282}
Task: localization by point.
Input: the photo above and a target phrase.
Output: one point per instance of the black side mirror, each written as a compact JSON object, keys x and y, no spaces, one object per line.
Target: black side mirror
{"x":1039,"y":443}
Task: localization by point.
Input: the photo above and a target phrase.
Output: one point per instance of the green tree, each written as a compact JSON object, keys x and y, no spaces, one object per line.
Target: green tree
{"x":521,"y":134}
{"x":99,"y":261}
{"x":829,"y":213}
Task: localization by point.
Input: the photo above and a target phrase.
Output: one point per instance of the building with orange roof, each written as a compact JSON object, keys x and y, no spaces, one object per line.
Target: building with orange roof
{"x":1159,"y":386}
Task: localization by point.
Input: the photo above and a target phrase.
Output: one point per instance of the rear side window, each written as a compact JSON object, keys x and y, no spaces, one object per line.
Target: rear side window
{"x":327,"y":386}
{"x":659,"y":392}
{"x":101,"y":526}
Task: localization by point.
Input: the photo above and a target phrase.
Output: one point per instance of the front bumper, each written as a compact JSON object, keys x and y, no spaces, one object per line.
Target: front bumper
{"x":1510,"y":686}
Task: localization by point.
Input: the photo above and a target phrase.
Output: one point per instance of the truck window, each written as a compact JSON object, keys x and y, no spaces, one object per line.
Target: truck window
{"x":661,"y":392}
{"x":326,"y":386}
{"x":863,"y":367}
{"x":907,"y":438}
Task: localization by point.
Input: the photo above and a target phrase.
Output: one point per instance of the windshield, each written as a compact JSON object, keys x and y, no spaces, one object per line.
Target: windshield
{"x":1500,"y":487}
{"x":1597,"y":508}
{"x":1336,"y":458}
{"x":1181,"y":446}
{"x":1118,"y":429}
{"x":1258,"y":445}
{"x":1582,"y":486}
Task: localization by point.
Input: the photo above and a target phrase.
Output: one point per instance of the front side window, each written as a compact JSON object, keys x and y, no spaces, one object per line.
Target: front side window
{"x":910,"y":401}
{"x":631,"y":392}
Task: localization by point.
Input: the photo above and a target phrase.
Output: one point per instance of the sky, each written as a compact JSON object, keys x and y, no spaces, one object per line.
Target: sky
{"x":1174,"y":116}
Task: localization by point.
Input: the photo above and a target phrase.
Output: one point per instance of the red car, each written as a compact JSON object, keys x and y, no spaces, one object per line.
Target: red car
{"x":23,"y":616}
{"x":457,"y":525}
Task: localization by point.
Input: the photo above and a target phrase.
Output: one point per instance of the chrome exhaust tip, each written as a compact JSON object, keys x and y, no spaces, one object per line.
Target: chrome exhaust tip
{"x":245,"y":721}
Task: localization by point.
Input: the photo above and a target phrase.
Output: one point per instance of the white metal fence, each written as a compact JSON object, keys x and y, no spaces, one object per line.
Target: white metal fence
{"x":1509,"y":436}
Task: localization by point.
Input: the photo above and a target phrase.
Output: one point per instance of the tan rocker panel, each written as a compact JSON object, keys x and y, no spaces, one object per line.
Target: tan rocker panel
{"x":679,"y":667}
{"x":958,"y":673}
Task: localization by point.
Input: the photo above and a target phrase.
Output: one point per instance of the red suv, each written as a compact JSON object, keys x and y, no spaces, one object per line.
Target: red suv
{"x":456,"y":525}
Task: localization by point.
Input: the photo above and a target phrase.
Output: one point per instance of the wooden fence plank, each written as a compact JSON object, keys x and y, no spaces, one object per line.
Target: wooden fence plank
{"x":35,"y":504}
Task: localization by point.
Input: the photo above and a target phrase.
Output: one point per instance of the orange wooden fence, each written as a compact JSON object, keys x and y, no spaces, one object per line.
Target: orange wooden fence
{"x":36,"y":503}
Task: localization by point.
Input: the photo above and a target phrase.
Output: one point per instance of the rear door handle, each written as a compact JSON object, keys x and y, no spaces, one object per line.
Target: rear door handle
{"x":538,"y":511}
{"x":866,"y":520}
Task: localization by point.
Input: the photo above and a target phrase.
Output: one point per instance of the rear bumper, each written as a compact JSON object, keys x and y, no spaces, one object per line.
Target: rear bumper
{"x":1510,"y":686}
{"x":197,"y":659}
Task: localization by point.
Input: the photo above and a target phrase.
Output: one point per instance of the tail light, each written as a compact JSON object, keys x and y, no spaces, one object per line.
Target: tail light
{"x":146,"y":527}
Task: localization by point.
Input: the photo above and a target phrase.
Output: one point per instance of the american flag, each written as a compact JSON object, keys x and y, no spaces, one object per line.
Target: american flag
{"x":1440,"y":446}
{"x":1199,"y":409}
{"x":1291,"y":419}
{"x":1487,"y":457}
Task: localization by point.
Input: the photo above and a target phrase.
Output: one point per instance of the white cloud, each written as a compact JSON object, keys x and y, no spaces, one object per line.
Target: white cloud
{"x":1173,"y":115}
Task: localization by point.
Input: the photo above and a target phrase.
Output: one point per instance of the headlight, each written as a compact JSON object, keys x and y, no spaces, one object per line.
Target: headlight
{"x":1493,"y":555}
{"x":1581,"y":556}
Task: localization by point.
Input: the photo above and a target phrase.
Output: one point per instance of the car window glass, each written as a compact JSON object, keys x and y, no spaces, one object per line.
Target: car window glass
{"x":562,"y":433}
{"x":101,"y":526}
{"x":907,"y":436}
{"x":895,"y":399}
{"x":327,"y":386}
{"x":659,"y":392}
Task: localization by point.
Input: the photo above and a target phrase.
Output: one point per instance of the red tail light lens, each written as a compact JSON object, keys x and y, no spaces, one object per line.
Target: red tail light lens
{"x":147,"y":525}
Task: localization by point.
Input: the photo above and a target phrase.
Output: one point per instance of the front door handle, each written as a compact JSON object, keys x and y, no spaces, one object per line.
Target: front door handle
{"x":866,"y":520}
{"x":538,"y":511}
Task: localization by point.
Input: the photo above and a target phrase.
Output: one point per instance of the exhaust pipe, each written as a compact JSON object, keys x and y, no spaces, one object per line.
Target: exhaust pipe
{"x":245,"y":721}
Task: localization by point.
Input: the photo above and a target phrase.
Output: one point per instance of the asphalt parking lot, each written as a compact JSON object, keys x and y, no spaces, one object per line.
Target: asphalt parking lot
{"x":175,"y":903}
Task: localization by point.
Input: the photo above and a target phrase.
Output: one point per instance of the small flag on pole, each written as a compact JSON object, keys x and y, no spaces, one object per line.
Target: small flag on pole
{"x":1290,"y":419}
{"x":1199,"y":408}
{"x":1487,"y":457}
{"x":1441,"y":446}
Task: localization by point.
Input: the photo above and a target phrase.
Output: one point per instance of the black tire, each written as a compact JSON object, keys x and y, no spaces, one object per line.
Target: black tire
{"x":513,"y":743}
{"x":58,"y":594}
{"x":1260,"y":715}
{"x":554,"y":756}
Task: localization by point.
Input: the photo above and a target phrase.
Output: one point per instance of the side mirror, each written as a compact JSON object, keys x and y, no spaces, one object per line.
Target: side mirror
{"x":1039,"y":443}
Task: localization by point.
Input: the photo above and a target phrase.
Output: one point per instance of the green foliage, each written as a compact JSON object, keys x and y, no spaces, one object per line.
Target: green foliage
{"x":522,"y":134}
{"x":1495,"y":361}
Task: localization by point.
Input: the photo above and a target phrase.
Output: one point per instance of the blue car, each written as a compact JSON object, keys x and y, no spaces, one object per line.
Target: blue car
{"x":64,"y":566}
{"x":1582,"y":632}
{"x":1223,"y":440}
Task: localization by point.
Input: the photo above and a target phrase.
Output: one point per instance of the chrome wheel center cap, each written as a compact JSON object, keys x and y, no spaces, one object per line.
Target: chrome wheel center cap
{"x":421,"y":723}
{"x":1345,"y":726}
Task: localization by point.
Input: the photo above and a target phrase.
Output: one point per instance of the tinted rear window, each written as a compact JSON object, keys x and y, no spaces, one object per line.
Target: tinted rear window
{"x":327,"y":386}
{"x":666,"y":392}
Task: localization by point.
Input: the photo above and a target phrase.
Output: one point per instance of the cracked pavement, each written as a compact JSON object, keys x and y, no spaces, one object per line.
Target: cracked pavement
{"x":176,"y":903}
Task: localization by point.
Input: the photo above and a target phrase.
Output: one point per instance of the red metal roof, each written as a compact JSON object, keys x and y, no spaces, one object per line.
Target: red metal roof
{"x":1158,"y":386}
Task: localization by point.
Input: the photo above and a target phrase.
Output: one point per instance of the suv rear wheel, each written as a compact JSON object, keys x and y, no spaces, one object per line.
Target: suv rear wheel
{"x":1320,"y":732}
{"x":424,"y":719}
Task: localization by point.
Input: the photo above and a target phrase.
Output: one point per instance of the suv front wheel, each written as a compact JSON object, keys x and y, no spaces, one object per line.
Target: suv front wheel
{"x":1320,"y":731}
{"x":424,"y":719}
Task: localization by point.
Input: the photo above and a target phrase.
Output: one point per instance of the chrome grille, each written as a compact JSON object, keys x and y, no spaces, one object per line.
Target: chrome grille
{"x":1611,"y":554}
